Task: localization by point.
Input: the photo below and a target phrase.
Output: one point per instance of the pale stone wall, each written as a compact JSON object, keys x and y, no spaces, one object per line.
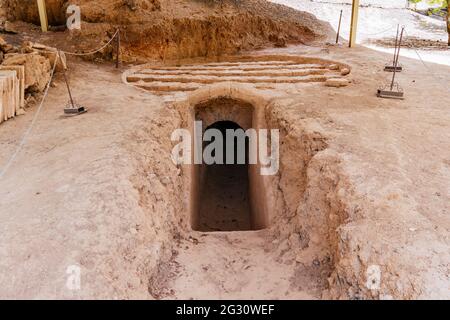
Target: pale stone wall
{"x":9,"y":94}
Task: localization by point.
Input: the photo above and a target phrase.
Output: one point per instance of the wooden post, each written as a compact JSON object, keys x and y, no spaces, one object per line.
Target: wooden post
{"x":354,"y":24}
{"x":43,"y":15}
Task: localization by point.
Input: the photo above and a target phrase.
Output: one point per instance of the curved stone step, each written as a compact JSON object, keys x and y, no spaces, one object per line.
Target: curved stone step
{"x":214,"y":79}
{"x":247,"y":67}
{"x":265,"y":72}
{"x":169,"y":86}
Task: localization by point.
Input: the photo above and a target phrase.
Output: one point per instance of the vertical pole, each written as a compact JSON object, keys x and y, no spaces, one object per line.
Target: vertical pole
{"x":396,"y":43}
{"x":339,"y":28}
{"x":354,"y":23}
{"x":118,"y":49}
{"x":43,"y":15}
{"x":67,"y":85}
{"x":396,"y":59}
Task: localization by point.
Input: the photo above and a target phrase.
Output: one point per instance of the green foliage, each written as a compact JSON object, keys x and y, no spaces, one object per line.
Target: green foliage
{"x":441,"y":3}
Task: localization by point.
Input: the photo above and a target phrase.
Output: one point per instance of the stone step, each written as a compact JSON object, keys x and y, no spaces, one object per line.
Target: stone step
{"x":169,"y":86}
{"x":249,"y":63}
{"x":265,"y":72}
{"x":241,"y":66}
{"x":214,"y":79}
{"x":20,"y":70}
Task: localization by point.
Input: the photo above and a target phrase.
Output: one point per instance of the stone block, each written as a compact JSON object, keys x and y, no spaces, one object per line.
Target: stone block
{"x":20,"y":73}
{"x":9,"y":94}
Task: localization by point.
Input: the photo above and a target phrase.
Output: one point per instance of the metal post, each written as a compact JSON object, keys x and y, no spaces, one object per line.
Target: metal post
{"x":68,"y":88}
{"x":43,"y":15}
{"x":118,"y":49}
{"x":396,"y":59}
{"x":339,"y":28}
{"x":354,"y":23}
{"x":396,"y":43}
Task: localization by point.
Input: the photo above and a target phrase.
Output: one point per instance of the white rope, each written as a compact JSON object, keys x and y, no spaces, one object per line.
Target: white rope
{"x":26,"y":134}
{"x":374,"y":34}
{"x":87,"y":53}
{"x":95,"y":51}
{"x":410,"y":46}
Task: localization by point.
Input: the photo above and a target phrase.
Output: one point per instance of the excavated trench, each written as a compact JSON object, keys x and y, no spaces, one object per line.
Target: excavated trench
{"x":284,"y":222}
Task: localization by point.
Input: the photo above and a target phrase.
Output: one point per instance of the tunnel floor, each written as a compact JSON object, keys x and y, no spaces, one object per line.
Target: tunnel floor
{"x":224,"y":204}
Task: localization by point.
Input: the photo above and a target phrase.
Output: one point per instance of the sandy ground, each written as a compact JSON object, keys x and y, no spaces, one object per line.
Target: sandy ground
{"x":68,"y":198}
{"x":76,"y":194}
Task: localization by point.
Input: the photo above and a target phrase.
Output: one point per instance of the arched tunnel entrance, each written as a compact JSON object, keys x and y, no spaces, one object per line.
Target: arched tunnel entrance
{"x":224,"y":195}
{"x":227,"y":195}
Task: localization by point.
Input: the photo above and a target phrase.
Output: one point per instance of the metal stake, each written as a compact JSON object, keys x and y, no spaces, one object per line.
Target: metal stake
{"x":396,"y":43}
{"x":339,"y":28}
{"x":73,"y":109}
{"x":68,"y":88}
{"x":396,"y":58}
{"x":118,"y":49}
{"x":397,"y":68}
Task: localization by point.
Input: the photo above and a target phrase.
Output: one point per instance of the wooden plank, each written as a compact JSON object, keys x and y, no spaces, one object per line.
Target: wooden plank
{"x":354,"y":24}
{"x":43,"y":15}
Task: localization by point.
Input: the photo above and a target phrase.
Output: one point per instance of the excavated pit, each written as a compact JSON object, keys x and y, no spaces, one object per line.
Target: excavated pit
{"x":288,"y":219}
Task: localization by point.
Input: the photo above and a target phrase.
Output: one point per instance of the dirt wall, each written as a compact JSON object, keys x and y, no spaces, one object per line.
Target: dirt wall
{"x":181,"y":29}
{"x":26,"y":10}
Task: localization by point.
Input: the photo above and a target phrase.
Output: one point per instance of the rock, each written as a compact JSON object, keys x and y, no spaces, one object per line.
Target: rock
{"x":279,"y":42}
{"x":37,"y":69}
{"x":9,"y":48}
{"x":9,"y":27}
{"x":3,"y":44}
{"x":345,"y":71}
{"x":20,"y":112}
{"x":333,"y":67}
{"x":294,"y":240}
{"x":51,"y":54}
{"x":27,"y":47}
{"x":336,"y":82}
{"x":30,"y":100}
{"x":39,"y":46}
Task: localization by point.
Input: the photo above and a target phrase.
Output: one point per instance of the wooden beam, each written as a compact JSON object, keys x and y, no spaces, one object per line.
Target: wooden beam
{"x":43,"y":15}
{"x":354,"y":24}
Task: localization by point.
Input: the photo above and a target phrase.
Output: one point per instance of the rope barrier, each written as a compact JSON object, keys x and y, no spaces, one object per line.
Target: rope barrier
{"x":423,"y":62}
{"x":52,"y":73}
{"x":26,"y":134}
{"x":95,"y":51}
{"x":376,"y":33}
{"x":87,"y":53}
